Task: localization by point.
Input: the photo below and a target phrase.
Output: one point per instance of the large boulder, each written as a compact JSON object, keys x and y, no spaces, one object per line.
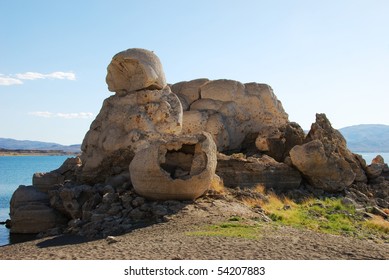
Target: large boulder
{"x":30,"y":211}
{"x":229,"y":110}
{"x":180,"y":168}
{"x":325,"y":160}
{"x":135,"y":69}
{"x":238,"y":171}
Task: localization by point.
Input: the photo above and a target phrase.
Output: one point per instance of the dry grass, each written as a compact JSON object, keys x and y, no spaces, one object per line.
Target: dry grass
{"x":217,"y":185}
{"x":377,"y":223}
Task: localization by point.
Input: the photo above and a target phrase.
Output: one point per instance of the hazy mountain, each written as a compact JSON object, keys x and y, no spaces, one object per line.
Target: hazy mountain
{"x":360,"y":138}
{"x":12,"y":144}
{"x":367,"y":137}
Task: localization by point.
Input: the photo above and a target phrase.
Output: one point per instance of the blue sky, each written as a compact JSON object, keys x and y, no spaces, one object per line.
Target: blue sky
{"x":318,"y":56}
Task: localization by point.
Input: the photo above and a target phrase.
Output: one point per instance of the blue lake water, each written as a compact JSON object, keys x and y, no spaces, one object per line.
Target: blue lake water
{"x":18,"y":170}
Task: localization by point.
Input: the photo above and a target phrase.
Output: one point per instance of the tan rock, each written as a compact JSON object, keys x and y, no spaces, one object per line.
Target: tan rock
{"x":189,"y":90}
{"x":47,"y":181}
{"x":125,"y":124}
{"x":235,"y":110}
{"x":30,"y":211}
{"x":249,"y":172}
{"x":330,"y":173}
{"x":135,"y":69}
{"x":324,"y":159}
{"x":179,"y":168}
{"x":277,"y":141}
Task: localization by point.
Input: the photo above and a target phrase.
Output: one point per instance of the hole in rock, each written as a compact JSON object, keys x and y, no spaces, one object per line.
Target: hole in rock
{"x":185,"y":162}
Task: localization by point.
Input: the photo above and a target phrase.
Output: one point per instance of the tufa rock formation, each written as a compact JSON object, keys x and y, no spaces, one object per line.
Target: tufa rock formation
{"x":154,"y":148}
{"x":324,"y":159}
{"x":179,"y":168}
{"x":142,"y":110}
{"x":135,"y":69}
{"x":228,"y":110}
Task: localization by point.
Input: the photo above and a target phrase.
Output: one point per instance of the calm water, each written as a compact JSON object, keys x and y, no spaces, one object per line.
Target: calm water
{"x":18,"y":170}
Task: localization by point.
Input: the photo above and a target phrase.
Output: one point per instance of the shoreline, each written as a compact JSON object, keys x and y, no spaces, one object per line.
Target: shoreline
{"x":174,"y":240}
{"x":4,"y":152}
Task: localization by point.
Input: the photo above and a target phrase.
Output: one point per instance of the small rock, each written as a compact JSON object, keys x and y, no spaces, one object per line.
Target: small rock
{"x":110,"y":198}
{"x":136,"y":214}
{"x":379,"y":212}
{"x":159,"y":210}
{"x":108,"y":189}
{"x":382,"y":203}
{"x":138,"y":201}
{"x":111,"y":239}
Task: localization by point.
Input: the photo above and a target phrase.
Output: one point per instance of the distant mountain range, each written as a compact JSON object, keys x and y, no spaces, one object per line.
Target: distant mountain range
{"x":12,"y":144}
{"x":360,"y":138}
{"x":367,"y":137}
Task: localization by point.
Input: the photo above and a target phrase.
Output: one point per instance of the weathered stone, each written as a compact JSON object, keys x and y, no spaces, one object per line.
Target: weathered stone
{"x":324,"y":159}
{"x":230,"y":110}
{"x":190,"y":91}
{"x":250,"y":172}
{"x":45,"y":182}
{"x":328,"y":173}
{"x":180,"y":168}
{"x":378,"y":160}
{"x":278,"y":141}
{"x":135,"y":69}
{"x":374,"y":170}
{"x":30,"y":211}
{"x":124,"y":125}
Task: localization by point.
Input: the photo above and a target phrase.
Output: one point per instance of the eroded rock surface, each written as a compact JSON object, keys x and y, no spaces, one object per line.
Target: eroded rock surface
{"x":239,"y":171}
{"x":180,"y":168}
{"x":124,"y":125}
{"x":229,"y":110}
{"x":135,"y":69}
{"x":324,"y":159}
{"x":31,"y":211}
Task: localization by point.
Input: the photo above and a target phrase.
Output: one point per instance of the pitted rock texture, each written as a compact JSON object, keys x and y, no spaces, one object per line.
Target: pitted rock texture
{"x":228,"y":110}
{"x":135,"y":69}
{"x":31,"y":211}
{"x":125,"y":124}
{"x":240,"y":171}
{"x":181,"y":168}
{"x":324,"y":159}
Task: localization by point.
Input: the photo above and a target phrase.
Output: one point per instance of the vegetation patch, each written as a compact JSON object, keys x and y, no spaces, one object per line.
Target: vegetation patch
{"x":327,"y":215}
{"x":236,"y":227}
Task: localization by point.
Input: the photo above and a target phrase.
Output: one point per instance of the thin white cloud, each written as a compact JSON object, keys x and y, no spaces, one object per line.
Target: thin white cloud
{"x":42,"y":114}
{"x":17,"y":79}
{"x":81,"y":115}
{"x":8,"y":81}
{"x":45,"y":114}
{"x":55,"y":75}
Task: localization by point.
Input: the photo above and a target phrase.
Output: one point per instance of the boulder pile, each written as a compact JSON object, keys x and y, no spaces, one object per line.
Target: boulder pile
{"x":153,"y":148}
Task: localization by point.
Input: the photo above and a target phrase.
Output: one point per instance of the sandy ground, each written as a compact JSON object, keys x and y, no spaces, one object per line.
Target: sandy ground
{"x":170,"y":240}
